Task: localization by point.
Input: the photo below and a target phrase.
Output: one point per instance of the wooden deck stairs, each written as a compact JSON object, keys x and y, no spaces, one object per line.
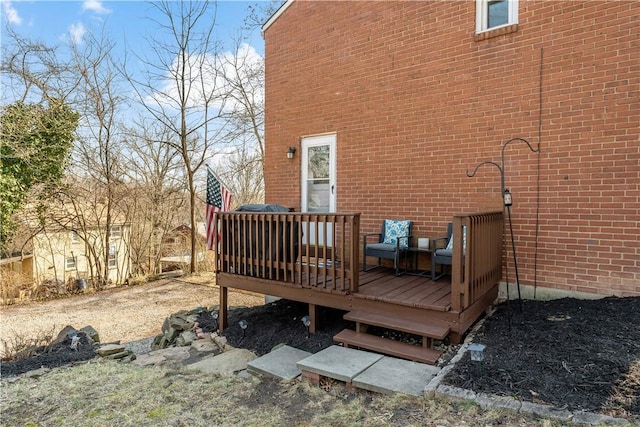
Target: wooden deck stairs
{"x":360,"y":338}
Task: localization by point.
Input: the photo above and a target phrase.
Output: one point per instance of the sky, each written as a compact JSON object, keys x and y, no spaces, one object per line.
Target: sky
{"x":57,"y":22}
{"x":127,"y":23}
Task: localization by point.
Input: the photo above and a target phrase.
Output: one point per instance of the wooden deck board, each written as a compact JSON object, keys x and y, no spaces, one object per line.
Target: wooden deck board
{"x":384,"y":285}
{"x":413,"y":291}
{"x":387,"y":346}
{"x":434,"y":329}
{"x":375,"y":276}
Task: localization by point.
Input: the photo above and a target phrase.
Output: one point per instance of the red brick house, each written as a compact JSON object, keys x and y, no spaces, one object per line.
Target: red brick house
{"x":402,"y":98}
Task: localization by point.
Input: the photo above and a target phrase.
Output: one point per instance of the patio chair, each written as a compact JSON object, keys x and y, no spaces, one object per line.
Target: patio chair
{"x":390,"y":243}
{"x":443,"y":255}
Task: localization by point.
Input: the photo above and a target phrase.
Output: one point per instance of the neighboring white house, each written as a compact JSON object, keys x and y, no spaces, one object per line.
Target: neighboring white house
{"x":65,"y":255}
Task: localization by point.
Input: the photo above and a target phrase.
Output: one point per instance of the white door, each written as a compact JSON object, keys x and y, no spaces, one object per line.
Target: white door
{"x":319,"y":180}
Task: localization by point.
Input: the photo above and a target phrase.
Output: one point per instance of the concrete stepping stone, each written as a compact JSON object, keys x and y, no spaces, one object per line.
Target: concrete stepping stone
{"x":280,"y":363}
{"x":391,"y":375}
{"x":339,"y":363}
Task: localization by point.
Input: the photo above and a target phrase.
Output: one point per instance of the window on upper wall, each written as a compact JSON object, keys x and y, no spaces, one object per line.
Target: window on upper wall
{"x":74,"y":237}
{"x":492,"y":14}
{"x":116,"y":231}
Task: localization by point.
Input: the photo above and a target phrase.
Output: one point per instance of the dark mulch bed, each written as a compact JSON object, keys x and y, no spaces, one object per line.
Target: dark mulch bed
{"x":53,"y":356}
{"x":574,"y":354}
{"x":280,"y":322}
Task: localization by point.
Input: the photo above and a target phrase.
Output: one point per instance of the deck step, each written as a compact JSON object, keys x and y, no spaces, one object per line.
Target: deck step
{"x":350,"y":337}
{"x":432,"y":329}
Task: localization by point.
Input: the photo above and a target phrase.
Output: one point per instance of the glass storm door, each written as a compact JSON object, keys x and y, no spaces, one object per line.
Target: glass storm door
{"x":319,"y":181}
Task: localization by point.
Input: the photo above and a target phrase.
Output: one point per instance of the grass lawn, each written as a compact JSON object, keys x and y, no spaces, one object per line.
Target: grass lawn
{"x":107,"y":393}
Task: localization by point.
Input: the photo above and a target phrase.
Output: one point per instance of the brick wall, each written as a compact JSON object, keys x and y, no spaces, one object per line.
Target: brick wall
{"x":417,"y":100}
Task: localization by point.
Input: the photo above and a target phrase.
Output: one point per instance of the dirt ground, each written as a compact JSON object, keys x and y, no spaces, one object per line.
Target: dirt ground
{"x":119,"y":314}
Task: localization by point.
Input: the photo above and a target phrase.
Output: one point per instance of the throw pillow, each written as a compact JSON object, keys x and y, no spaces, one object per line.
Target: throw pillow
{"x":464,"y":240}
{"x":394,"y":230}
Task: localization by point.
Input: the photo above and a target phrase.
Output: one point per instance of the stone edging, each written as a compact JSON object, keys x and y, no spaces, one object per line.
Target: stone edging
{"x":485,"y":400}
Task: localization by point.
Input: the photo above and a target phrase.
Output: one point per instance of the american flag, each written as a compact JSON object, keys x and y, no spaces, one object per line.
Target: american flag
{"x":218,"y":200}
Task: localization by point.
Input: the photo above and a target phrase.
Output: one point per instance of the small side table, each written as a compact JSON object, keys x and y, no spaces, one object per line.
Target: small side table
{"x":415,"y":252}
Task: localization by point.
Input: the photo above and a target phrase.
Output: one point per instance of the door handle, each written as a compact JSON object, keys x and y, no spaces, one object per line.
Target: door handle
{"x":333,"y":188}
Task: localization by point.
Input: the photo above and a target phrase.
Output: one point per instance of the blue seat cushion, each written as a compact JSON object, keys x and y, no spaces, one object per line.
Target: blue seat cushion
{"x":383,"y":247}
{"x":444,"y":252}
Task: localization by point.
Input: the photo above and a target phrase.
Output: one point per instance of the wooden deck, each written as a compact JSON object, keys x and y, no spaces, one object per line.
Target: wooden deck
{"x":412,"y":291}
{"x":270,"y":253}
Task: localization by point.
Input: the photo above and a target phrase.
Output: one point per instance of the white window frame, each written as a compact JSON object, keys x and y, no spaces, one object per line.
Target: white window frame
{"x":70,"y":266}
{"x":75,"y":238}
{"x":113,"y":256}
{"x":116,"y":231}
{"x":482,"y":15}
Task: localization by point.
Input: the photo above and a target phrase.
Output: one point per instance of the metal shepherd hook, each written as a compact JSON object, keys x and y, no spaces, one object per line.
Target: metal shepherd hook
{"x":507,"y":202}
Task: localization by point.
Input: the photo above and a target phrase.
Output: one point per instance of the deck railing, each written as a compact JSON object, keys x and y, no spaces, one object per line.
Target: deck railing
{"x":309,"y":250}
{"x":477,"y":263}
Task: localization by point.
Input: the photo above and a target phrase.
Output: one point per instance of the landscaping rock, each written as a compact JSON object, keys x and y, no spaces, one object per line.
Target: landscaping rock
{"x":182,"y":321}
{"x":66,"y":332}
{"x":221,"y":342}
{"x":91,"y":333}
{"x":206,"y":346}
{"x":109,"y":349}
{"x":185,"y":339}
{"x":37,"y":373}
{"x":226,"y":363}
{"x":171,"y":334}
{"x":166,"y":325}
{"x":150,"y":359}
{"x":181,"y":329}
{"x":169,"y":356}
{"x":120,"y":355}
{"x":130,"y":358}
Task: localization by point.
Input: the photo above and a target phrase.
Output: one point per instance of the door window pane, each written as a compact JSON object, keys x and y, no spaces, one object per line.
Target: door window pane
{"x":318,"y":179}
{"x":318,"y":166}
{"x":318,"y":195}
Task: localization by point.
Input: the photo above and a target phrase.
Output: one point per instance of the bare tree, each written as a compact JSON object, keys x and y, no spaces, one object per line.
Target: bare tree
{"x":157,"y":193}
{"x":181,"y":89}
{"x":33,"y":71}
{"x":243,"y":166}
{"x":99,"y":166}
{"x":242,"y":170}
{"x":260,"y":12}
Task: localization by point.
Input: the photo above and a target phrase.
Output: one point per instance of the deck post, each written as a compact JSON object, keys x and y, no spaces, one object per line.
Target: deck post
{"x":313,"y":315}
{"x":455,"y":338}
{"x":456,"y":268}
{"x":222,"y":309}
